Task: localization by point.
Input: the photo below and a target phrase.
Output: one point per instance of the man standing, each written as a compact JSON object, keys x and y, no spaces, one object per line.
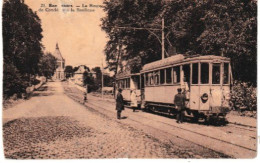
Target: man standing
{"x":179,"y":101}
{"x":119,"y":103}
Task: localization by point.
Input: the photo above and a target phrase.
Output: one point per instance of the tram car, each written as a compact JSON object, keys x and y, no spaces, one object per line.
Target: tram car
{"x":130,"y":84}
{"x":205,"y":80}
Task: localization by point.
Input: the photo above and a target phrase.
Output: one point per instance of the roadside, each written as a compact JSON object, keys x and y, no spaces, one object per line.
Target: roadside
{"x":15,"y":100}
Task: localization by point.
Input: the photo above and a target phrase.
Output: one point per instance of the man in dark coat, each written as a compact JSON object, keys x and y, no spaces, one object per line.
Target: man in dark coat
{"x":179,"y":101}
{"x":119,"y":103}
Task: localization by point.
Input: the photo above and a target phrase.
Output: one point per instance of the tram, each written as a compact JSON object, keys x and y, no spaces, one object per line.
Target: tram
{"x":130,"y":83}
{"x":205,"y":80}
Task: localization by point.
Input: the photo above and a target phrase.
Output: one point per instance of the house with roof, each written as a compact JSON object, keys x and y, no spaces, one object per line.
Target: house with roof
{"x":60,"y":71}
{"x":79,"y":74}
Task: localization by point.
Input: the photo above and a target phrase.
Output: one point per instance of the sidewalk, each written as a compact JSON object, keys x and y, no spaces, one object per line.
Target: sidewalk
{"x":244,"y":121}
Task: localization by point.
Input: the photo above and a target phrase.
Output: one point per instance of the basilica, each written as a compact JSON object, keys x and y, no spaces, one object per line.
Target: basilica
{"x":60,"y":71}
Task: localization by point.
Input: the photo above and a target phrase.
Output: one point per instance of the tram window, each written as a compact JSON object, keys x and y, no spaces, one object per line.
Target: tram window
{"x":123,"y":84}
{"x":176,"y":74}
{"x":195,"y":73}
{"x":226,"y":73}
{"x":156,"y":77}
{"x":142,"y":81}
{"x":146,"y":79}
{"x":169,"y":75}
{"x":150,"y":78}
{"x":204,"y":73}
{"x":216,"y":73}
{"x":120,"y":83}
{"x":128,"y":83}
{"x":162,"y":76}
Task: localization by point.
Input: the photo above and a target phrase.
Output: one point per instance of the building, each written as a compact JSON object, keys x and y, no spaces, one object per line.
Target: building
{"x":79,"y":74}
{"x":60,"y":71}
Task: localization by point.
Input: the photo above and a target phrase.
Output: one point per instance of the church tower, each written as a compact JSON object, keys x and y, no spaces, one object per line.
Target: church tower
{"x":60,"y":71}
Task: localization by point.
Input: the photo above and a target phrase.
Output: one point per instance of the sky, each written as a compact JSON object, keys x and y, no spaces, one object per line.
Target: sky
{"x":79,"y":35}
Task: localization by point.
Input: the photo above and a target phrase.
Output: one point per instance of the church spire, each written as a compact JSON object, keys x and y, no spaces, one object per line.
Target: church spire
{"x":57,"y":53}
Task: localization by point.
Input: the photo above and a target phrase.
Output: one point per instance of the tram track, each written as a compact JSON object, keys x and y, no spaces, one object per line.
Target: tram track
{"x":190,"y":132}
{"x":91,"y":108}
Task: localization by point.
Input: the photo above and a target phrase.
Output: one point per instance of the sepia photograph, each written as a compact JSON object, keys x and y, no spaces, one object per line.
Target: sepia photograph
{"x":129,"y":79}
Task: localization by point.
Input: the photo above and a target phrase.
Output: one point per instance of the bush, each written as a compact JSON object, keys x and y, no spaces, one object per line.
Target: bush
{"x":243,"y":96}
{"x":13,"y":81}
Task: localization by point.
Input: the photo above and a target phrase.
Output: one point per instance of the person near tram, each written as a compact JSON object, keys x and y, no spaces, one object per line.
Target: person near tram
{"x":179,"y":102}
{"x":119,"y":103}
{"x":133,"y":97}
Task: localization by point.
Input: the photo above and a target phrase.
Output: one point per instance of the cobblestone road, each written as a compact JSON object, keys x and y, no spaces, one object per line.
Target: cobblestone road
{"x":51,"y":125}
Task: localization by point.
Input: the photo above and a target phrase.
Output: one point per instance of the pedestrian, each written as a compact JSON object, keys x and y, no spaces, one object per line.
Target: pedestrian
{"x":85,"y":98}
{"x":179,"y":102}
{"x":134,"y":104}
{"x":119,"y":103}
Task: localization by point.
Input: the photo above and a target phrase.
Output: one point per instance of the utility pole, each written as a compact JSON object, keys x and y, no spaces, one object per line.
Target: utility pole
{"x":162,"y":38}
{"x":102,"y":78}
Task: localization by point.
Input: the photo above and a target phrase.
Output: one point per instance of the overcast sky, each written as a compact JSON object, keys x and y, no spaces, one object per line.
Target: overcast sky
{"x":78,"y":34}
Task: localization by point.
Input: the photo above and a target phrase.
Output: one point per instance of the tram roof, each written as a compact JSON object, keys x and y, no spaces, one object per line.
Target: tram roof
{"x":180,"y":58}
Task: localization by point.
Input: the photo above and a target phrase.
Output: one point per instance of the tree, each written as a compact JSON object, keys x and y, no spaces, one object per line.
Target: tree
{"x":89,"y":80}
{"x":98,"y":78}
{"x":193,"y":27}
{"x":69,"y":71}
{"x":108,"y":81}
{"x":47,"y":65}
{"x":22,"y":47}
{"x":13,"y":81}
{"x":129,"y":44}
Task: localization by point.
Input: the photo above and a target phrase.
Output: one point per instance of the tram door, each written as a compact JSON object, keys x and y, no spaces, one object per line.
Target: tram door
{"x":200,"y":86}
{"x":216,"y":88}
{"x":136,"y":86}
{"x":204,"y":87}
{"x":185,"y":82}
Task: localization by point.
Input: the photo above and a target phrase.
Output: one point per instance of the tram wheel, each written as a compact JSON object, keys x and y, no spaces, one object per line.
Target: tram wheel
{"x":195,"y":117}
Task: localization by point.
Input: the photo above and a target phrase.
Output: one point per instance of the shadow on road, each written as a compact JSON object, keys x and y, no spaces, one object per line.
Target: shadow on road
{"x":190,"y":120}
{"x":43,"y":91}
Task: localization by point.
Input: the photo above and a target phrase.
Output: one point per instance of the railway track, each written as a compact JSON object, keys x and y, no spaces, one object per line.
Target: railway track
{"x":236,"y":149}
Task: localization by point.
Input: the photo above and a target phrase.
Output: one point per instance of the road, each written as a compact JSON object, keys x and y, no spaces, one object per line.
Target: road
{"x":55,"y":124}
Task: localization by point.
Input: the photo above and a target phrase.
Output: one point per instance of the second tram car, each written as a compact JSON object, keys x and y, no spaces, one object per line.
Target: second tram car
{"x":129,"y":83}
{"x":205,"y":80}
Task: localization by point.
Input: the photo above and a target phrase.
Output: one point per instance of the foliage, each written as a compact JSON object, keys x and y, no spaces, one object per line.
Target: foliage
{"x":13,"y":81}
{"x":130,"y":44}
{"x":22,"y":47}
{"x":88,"y":79}
{"x":69,"y":71}
{"x":98,"y":78}
{"x":243,"y":96}
{"x":107,"y":80}
{"x":193,"y":27}
{"x":47,"y":65}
